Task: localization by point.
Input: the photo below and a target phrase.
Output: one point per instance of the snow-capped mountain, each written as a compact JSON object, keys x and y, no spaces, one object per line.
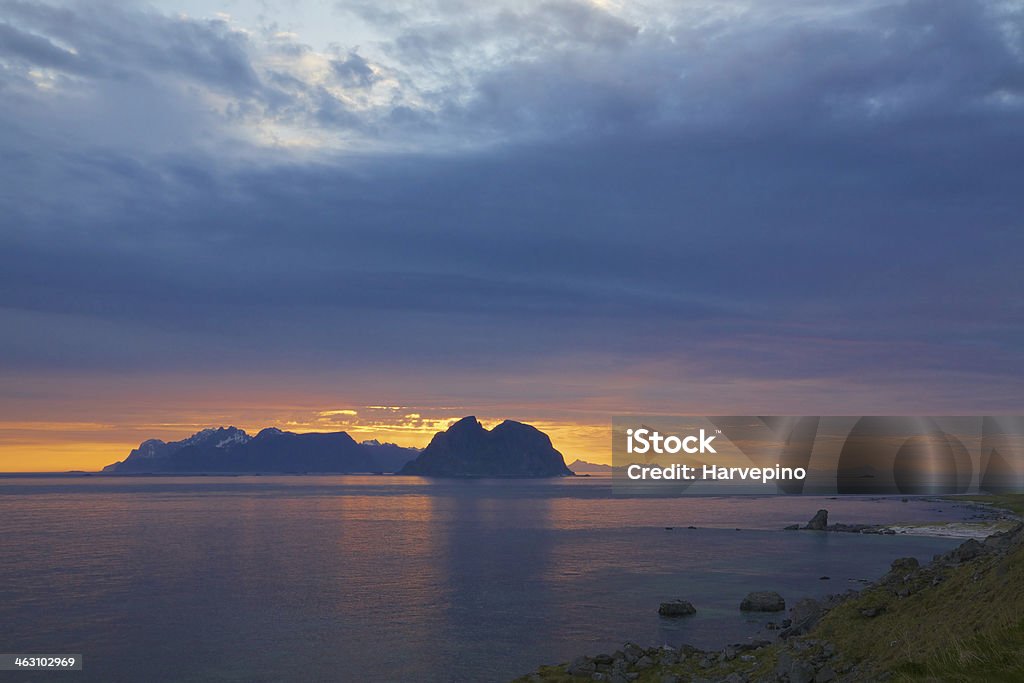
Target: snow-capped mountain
{"x":229,"y":449}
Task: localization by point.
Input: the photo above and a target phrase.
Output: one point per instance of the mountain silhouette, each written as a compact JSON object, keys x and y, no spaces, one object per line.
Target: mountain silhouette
{"x":581,"y":466}
{"x":228,"y":449}
{"x":466,"y":449}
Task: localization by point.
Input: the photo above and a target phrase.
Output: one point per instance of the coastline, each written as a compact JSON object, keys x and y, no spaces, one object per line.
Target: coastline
{"x":989,"y":519}
{"x":841,"y":637}
{"x":965,"y":530}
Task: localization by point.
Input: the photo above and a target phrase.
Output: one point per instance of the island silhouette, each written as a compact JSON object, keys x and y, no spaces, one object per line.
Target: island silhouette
{"x":511,"y":449}
{"x":466,"y":449}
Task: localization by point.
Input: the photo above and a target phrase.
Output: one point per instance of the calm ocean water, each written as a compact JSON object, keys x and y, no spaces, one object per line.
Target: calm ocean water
{"x":340,"y":578}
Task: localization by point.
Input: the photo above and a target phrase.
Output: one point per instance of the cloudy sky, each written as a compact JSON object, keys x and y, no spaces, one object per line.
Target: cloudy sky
{"x":379,"y":216}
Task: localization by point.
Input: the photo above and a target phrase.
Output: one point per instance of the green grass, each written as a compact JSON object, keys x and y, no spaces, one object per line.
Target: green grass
{"x":968,"y":628}
{"x":686,"y":671}
{"x":1014,"y":502}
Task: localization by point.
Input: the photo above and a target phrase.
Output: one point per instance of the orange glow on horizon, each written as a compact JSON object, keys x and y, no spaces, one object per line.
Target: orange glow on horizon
{"x":41,"y":446}
{"x":86,"y":456}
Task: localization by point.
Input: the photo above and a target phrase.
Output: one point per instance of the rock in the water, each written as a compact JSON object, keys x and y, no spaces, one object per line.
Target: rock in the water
{"x":763,"y":601}
{"x":676,"y":608}
{"x":819,"y":522}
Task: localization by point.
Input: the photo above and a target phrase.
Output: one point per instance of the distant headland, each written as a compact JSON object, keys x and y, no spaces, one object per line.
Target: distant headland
{"x":229,"y":449}
{"x":466,"y":449}
{"x":584,"y":467}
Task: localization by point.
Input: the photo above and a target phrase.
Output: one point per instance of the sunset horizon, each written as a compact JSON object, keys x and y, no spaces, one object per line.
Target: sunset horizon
{"x":262,"y":216}
{"x":393,"y":424}
{"x":530,"y":341}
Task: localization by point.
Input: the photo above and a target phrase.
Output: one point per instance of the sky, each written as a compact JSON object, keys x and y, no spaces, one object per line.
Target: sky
{"x":382,"y":216}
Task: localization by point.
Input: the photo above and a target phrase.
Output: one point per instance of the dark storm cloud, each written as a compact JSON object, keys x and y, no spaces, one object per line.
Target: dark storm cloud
{"x":907,"y":60}
{"x":769,"y":198}
{"x":112,"y":42}
{"x":35,"y":49}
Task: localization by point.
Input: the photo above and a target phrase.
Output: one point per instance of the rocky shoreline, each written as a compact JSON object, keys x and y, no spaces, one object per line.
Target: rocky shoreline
{"x":820,"y":523}
{"x":986,"y":521}
{"x":802,"y":651}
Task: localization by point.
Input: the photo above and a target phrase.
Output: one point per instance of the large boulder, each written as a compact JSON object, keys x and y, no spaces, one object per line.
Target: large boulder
{"x":901,"y":569}
{"x":804,"y":615}
{"x":763,"y":601}
{"x":676,"y":608}
{"x":582,"y":666}
{"x":966,"y":551}
{"x":819,"y":522}
{"x":1004,"y":540}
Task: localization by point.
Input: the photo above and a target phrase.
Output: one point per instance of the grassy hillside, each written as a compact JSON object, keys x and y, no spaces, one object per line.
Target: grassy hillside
{"x":957,"y":619}
{"x":1014,"y":502}
{"x":967,"y":627}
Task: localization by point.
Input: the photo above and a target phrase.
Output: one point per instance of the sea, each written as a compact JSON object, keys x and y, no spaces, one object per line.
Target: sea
{"x":388,"y":578}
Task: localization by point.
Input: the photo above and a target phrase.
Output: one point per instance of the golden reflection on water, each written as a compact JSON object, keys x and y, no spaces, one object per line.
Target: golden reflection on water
{"x":401,"y":577}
